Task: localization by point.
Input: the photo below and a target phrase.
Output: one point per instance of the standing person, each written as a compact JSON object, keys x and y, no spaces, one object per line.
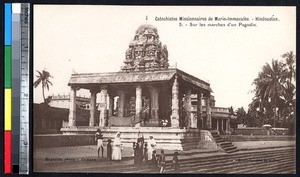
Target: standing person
{"x":109,"y":151}
{"x":151,"y":148}
{"x":162,"y":161}
{"x":154,"y":161}
{"x":175,"y":162}
{"x":139,"y":153}
{"x":116,"y":153}
{"x":134,"y":153}
{"x":140,"y":144}
{"x":146,"y":153}
{"x":99,"y":140}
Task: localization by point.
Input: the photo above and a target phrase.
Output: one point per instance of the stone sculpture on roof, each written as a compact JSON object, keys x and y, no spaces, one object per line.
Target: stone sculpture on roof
{"x":146,"y":52}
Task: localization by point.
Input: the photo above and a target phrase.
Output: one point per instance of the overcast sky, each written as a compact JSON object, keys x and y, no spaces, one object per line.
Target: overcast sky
{"x":88,"y":39}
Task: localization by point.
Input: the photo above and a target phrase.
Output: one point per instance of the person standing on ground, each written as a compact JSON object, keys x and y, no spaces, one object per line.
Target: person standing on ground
{"x":109,"y":151}
{"x":151,"y":147}
{"x":154,"y":161}
{"x":116,"y":153}
{"x":162,"y":161}
{"x":146,"y":153}
{"x":139,"y":153}
{"x":175,"y":162}
{"x":99,"y":140}
{"x":134,"y":146}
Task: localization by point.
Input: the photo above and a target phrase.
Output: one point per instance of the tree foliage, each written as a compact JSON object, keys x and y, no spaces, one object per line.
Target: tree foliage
{"x":43,"y":78}
{"x":274,"y":100}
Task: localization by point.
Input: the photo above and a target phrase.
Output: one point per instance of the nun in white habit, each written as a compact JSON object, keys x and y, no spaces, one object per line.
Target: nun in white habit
{"x":116,"y":151}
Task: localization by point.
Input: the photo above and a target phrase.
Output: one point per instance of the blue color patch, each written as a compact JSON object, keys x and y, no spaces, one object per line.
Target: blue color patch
{"x":7,"y":24}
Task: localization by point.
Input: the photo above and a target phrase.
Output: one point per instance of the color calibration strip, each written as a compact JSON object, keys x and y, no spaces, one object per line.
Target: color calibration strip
{"x":16,"y":82}
{"x":8,"y":89}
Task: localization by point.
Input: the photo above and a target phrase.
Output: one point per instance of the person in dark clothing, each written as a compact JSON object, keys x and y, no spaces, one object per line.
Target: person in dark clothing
{"x":146,"y":152}
{"x":109,"y":151}
{"x":99,"y":140}
{"x":162,"y":161}
{"x":175,"y":162}
{"x":154,"y":161}
{"x":140,"y":149}
{"x":135,"y":153}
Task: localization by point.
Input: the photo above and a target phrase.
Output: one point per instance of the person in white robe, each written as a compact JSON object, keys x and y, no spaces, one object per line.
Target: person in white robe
{"x":151,"y":147}
{"x":116,"y":152}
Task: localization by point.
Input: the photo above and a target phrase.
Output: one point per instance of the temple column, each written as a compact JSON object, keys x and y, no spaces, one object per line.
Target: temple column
{"x":175,"y":104}
{"x":218,"y":124}
{"x":199,"y":110}
{"x":72,"y":109}
{"x":111,"y":106}
{"x":222,"y":124}
{"x":187,"y":108}
{"x":92,"y":107}
{"x":208,"y":112}
{"x":227,"y":127}
{"x":228,"y":121}
{"x":154,"y":104}
{"x":103,"y":106}
{"x":121,"y":103}
{"x":138,"y":101}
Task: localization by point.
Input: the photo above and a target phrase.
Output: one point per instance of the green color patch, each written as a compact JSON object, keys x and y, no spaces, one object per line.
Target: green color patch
{"x":7,"y":67}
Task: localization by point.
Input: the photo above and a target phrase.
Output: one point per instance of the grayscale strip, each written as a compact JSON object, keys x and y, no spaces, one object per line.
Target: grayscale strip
{"x":16,"y":75}
{"x":24,"y":90}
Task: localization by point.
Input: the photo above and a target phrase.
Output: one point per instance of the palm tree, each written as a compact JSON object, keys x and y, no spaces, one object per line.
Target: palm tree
{"x":290,"y":60}
{"x":290,"y":91}
{"x":43,"y":77}
{"x":270,"y":86}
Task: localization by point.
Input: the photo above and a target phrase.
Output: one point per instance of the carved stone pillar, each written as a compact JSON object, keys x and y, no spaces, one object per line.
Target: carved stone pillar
{"x":92,"y":107}
{"x":103,"y":106}
{"x":138,"y":101}
{"x":72,"y":109}
{"x":199,"y":110}
{"x":121,"y":103}
{"x":222,"y":124}
{"x":154,"y":103}
{"x":228,"y":124}
{"x":187,"y":108}
{"x":208,"y":112}
{"x":218,"y":124}
{"x":111,"y":105}
{"x":175,"y":104}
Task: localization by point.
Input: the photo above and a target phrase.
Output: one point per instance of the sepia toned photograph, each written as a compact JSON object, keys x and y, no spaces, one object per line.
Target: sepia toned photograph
{"x":164,"y":89}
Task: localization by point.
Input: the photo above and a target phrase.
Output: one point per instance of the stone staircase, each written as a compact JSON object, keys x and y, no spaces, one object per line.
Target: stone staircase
{"x":226,"y":145}
{"x":275,"y":161}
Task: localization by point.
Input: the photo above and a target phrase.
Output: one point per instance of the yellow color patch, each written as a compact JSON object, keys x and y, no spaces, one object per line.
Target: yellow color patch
{"x":8,"y":108}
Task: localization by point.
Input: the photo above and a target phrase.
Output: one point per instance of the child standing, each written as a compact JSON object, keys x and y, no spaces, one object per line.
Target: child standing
{"x":175,"y":162}
{"x":154,"y":161}
{"x":162,"y":161}
{"x":109,"y":151}
{"x":134,"y":146}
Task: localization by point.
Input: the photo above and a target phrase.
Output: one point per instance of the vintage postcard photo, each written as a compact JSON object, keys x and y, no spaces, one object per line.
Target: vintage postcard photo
{"x":164,"y":89}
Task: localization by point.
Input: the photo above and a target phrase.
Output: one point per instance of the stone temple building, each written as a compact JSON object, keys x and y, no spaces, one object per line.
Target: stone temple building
{"x":145,"y":92}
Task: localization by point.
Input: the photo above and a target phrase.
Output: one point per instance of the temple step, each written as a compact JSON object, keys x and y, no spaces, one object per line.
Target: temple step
{"x":225,"y":144}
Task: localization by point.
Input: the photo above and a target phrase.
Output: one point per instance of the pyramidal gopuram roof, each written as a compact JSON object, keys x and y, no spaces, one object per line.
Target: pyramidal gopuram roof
{"x":145,"y":51}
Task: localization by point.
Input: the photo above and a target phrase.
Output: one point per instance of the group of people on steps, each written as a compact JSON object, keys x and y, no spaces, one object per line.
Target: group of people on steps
{"x":143,"y":151}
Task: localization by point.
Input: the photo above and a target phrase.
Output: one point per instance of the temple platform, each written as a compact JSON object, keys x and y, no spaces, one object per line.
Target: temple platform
{"x":165,"y":137}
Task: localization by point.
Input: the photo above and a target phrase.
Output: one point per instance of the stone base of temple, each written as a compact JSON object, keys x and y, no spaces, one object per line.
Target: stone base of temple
{"x":166,"y":137}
